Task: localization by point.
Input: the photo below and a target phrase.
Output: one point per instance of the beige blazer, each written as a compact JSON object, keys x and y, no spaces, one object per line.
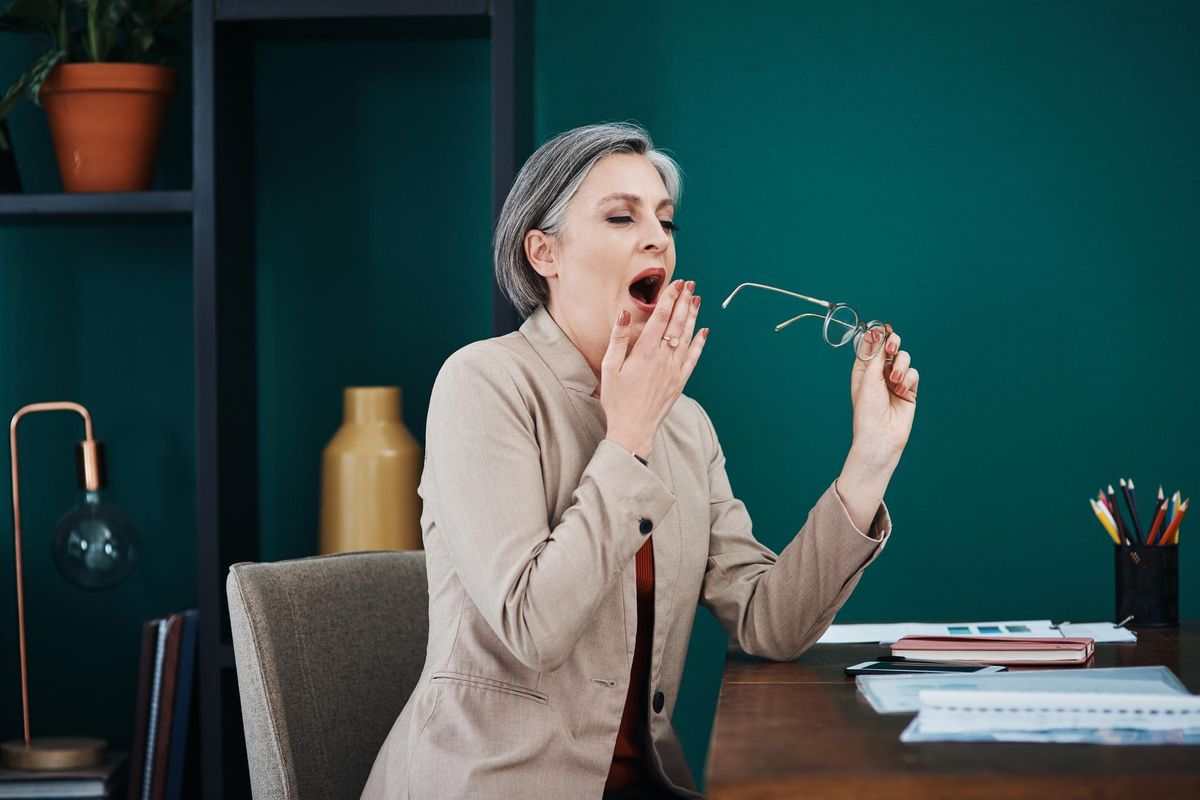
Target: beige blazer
{"x":531,"y":522}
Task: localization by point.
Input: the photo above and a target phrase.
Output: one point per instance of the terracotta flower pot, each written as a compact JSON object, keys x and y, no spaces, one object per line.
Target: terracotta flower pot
{"x":106,"y":120}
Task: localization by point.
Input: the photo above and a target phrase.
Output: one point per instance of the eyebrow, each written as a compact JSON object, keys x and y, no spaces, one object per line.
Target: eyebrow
{"x":632,"y":199}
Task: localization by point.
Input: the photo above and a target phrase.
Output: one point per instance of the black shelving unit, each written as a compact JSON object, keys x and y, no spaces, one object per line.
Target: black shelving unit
{"x":222,"y":206}
{"x":25,"y":207}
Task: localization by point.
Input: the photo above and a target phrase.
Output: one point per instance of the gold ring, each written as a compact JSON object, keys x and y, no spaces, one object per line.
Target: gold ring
{"x":672,"y":340}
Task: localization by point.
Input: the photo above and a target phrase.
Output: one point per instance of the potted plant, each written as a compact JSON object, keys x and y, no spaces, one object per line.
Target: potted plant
{"x":104,"y":81}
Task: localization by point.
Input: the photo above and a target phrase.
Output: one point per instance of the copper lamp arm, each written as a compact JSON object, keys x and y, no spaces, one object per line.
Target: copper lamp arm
{"x":92,"y":478}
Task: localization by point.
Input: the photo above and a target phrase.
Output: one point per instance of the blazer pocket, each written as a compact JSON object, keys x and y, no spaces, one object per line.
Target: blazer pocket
{"x":490,"y":684}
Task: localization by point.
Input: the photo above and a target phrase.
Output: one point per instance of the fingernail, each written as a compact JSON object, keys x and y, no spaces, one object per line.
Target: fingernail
{"x":623,"y":317}
{"x":678,"y":284}
{"x":704,"y":332}
{"x":696,"y":301}
{"x":895,"y":377}
{"x":691,"y":285}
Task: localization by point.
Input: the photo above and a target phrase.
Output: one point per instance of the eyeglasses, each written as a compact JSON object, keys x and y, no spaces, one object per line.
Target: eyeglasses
{"x":841,"y":321}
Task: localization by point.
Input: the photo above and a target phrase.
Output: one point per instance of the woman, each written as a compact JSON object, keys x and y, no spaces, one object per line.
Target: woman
{"x":576,"y":505}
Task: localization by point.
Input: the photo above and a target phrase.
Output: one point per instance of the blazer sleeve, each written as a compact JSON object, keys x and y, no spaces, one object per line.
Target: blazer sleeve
{"x":538,"y":587}
{"x":778,"y":606}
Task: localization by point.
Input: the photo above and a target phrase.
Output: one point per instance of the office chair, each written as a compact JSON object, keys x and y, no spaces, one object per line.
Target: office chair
{"x":328,"y":650}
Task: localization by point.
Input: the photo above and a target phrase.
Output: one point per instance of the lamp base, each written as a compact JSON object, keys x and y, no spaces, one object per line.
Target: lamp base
{"x":54,"y":753}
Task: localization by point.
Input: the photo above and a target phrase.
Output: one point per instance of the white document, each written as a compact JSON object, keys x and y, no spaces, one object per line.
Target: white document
{"x":888,"y":632}
{"x":899,"y":694}
{"x":1081,"y":717}
{"x":1100,"y":631}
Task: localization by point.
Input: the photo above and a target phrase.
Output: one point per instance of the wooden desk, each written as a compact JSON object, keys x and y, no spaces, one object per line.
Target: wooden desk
{"x":801,"y":729}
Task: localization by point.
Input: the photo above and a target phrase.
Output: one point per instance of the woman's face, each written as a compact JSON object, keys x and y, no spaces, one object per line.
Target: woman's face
{"x":616,"y":250}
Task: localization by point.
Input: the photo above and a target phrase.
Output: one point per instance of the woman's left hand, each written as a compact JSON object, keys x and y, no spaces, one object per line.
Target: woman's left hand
{"x":883,"y":393}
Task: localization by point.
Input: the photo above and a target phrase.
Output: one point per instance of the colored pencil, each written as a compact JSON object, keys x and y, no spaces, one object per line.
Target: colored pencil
{"x":1137,"y":526}
{"x":1172,"y":534}
{"x":1160,"y":511}
{"x":1116,"y":512}
{"x":1134,"y":510}
{"x":1103,"y":505}
{"x":1102,"y":515}
{"x":1172,"y":510}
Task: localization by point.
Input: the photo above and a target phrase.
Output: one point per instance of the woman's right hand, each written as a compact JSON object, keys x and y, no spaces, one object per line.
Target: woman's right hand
{"x":639,"y":385}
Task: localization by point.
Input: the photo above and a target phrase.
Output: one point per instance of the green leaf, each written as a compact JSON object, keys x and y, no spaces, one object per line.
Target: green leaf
{"x":141,"y":39}
{"x":12,"y":96}
{"x":40,"y":69}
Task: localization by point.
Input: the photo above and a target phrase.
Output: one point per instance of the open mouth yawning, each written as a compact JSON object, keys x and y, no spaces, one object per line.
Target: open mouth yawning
{"x":646,"y":287}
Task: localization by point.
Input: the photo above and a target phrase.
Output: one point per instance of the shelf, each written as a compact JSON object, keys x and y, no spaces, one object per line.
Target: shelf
{"x":31,"y":206}
{"x":289,"y":10}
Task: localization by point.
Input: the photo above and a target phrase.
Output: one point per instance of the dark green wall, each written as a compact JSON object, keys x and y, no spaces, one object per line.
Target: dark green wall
{"x":1012,"y":185}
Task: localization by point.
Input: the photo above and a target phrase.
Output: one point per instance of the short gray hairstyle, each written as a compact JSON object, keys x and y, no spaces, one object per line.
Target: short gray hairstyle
{"x":545,"y":187}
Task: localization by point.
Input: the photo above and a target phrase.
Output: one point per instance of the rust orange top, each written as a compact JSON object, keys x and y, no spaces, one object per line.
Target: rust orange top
{"x":629,"y":761}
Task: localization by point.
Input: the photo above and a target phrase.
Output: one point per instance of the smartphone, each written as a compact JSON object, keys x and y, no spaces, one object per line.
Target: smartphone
{"x":918,"y":668}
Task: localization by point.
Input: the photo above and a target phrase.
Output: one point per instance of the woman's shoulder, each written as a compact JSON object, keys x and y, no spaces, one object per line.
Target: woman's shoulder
{"x":494,"y":362}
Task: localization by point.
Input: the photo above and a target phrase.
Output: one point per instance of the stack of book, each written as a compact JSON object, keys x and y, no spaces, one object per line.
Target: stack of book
{"x":159,"y":753}
{"x":1013,"y":650}
{"x":158,"y":766}
{"x":100,"y":782}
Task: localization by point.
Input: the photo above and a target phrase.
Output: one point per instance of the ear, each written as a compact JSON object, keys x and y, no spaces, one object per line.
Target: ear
{"x":539,"y":249}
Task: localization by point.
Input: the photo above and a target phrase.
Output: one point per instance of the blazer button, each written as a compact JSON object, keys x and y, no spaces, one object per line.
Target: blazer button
{"x":645,"y":526}
{"x":658,"y":702}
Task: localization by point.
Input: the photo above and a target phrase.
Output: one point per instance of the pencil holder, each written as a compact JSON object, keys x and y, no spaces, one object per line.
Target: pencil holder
{"x":1148,"y":585}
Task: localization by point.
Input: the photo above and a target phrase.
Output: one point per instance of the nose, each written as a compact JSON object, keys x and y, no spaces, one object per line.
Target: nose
{"x":657,"y":239}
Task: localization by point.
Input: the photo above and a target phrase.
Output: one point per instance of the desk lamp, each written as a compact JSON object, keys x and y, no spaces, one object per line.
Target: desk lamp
{"x":94,"y":547}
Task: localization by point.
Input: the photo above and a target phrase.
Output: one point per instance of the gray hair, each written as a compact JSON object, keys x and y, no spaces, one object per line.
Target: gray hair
{"x":545,"y":187}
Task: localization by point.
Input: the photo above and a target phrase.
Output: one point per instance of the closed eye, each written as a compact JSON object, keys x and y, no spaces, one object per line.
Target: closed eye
{"x":668,"y":225}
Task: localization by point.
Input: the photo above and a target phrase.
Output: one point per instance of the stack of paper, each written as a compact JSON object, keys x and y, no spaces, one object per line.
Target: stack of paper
{"x":898,"y":694}
{"x":1078,"y":718}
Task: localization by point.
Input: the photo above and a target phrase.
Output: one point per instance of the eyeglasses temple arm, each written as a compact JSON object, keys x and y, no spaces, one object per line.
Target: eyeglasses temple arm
{"x":822,"y":303}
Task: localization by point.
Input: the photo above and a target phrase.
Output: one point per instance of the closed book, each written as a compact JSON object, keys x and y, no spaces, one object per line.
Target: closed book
{"x":1009,"y":650}
{"x":160,"y":652}
{"x":166,"y":708}
{"x":183,"y":706}
{"x":103,"y":780}
{"x":141,"y":713}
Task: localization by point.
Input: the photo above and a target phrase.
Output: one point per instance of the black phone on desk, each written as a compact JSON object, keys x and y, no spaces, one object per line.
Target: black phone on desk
{"x":919,"y":668}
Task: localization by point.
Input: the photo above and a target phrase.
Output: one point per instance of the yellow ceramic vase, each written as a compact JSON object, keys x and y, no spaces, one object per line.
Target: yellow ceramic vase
{"x":369,"y":475}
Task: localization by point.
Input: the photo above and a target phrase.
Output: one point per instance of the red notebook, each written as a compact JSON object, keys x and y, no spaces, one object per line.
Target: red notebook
{"x":997,"y":649}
